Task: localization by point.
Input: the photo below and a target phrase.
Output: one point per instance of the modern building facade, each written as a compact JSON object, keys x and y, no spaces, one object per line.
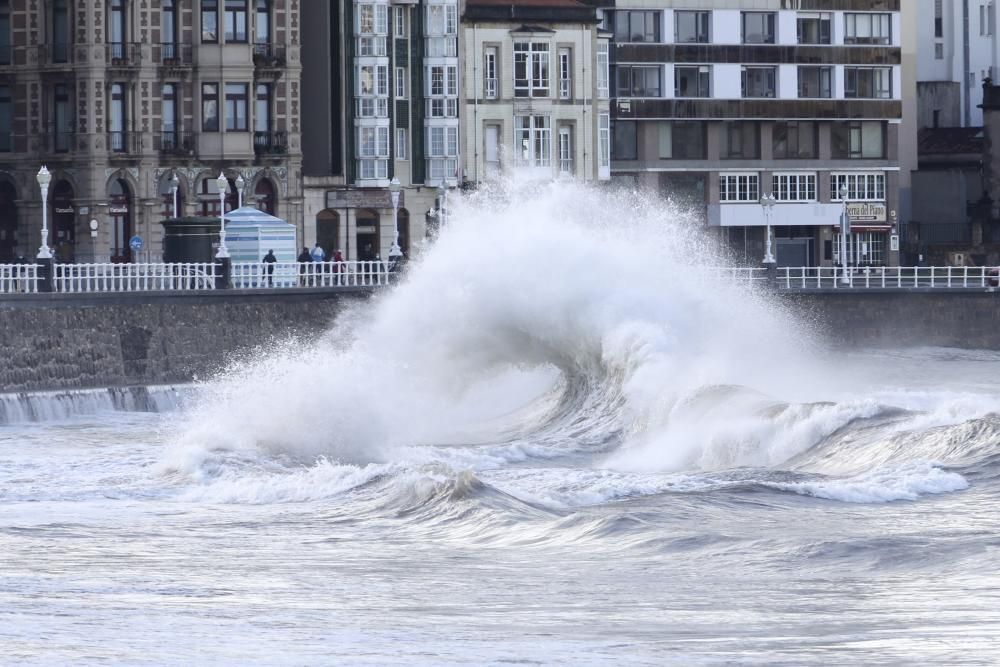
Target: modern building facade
{"x":118,"y":98}
{"x":383,"y":84}
{"x":537,"y":90}
{"x":720,"y":102}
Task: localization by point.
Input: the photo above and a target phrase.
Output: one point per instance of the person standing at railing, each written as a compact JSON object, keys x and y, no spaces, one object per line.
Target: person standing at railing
{"x":269,"y":260}
{"x":304,"y":259}
{"x":318,"y":255}
{"x":338,"y":267}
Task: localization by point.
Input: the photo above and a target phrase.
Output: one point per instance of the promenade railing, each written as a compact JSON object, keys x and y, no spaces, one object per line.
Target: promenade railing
{"x":16,"y":278}
{"x":261,"y":275}
{"x":886,"y":277}
{"x":80,"y":278}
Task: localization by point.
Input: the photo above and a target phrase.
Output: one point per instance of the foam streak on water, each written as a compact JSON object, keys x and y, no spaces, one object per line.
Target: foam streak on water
{"x":559,"y":441}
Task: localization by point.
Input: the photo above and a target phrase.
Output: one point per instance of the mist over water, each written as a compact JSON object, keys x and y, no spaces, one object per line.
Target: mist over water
{"x":562,"y":439}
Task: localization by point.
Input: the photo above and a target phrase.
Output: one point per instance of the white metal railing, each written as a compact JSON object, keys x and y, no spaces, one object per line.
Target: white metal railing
{"x":887,"y":277}
{"x":309,"y":274}
{"x":76,"y":278}
{"x":740,"y":275}
{"x":18,"y":278}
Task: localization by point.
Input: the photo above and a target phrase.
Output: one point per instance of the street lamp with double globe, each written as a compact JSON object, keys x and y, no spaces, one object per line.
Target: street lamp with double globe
{"x":395,"y":252}
{"x":44,"y":178}
{"x":223,"y":184}
{"x":845,"y":229}
{"x":767,"y":202}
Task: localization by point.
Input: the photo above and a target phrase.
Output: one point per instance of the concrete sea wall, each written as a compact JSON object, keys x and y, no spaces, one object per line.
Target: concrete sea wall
{"x":57,"y":341}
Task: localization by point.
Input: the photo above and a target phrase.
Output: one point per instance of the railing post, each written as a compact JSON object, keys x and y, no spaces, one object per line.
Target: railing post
{"x":46,"y":277}
{"x":223,"y":265}
{"x":771,"y":269}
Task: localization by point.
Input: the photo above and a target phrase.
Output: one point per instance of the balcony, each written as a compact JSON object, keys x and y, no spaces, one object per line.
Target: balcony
{"x":124,"y":55}
{"x":269,"y":56}
{"x":173,"y":56}
{"x":176,"y":143}
{"x":125,"y":143}
{"x":270,"y":143}
{"x":56,"y":142}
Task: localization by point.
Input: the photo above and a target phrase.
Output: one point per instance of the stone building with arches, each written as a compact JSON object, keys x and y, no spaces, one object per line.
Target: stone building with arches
{"x":118,"y":99}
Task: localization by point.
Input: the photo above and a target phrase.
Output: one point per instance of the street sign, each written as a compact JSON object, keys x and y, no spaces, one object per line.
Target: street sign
{"x":135,"y":243}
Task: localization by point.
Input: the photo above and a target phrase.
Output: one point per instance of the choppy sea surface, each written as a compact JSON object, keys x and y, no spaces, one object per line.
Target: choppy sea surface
{"x":623,"y":468}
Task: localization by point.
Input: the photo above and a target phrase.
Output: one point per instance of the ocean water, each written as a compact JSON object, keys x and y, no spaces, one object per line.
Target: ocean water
{"x":560,"y":441}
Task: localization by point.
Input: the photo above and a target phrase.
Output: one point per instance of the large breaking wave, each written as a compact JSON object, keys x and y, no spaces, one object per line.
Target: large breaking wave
{"x":561,"y":346}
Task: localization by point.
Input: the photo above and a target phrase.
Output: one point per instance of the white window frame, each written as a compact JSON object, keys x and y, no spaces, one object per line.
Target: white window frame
{"x":491,"y":89}
{"x":881,"y":83}
{"x":861,"y":185}
{"x":603,"y":70}
{"x":604,"y":140}
{"x":537,"y":130}
{"x":863,"y":248}
{"x":400,"y":21}
{"x":536,"y":83}
{"x":878,"y":26}
{"x":565,"y":140}
{"x":400,"y":83}
{"x":794,"y":186}
{"x":401,"y":144}
{"x":739,"y":187}
{"x":565,"y":73}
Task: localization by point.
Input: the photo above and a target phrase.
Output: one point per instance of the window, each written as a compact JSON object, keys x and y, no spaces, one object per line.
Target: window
{"x":168,"y":30}
{"x":60,"y":30}
{"x":939,"y":51}
{"x":442,"y":144}
{"x":867,"y":29}
{"x":692,"y":81}
{"x":210,"y":107}
{"x":6,"y":120}
{"x":858,"y":140}
{"x":490,"y":86}
{"x":442,"y":87}
{"x":491,"y":138}
{"x":236,"y":107}
{"x":868,"y":82}
{"x":401,"y":143}
{"x":626,"y":145}
{"x":531,"y":69}
{"x":740,"y":140}
{"x":682,"y":140}
{"x":117,"y":118}
{"x":665,"y":139}
{"x":262,"y":24}
{"x":604,"y":139}
{"x":565,"y":74}
{"x":262,"y":109}
{"x":373,"y":91}
{"x":400,"y":21}
{"x":6,"y":55}
{"x":794,"y":187}
{"x":236,"y":20}
{"x":117,"y":25}
{"x":863,"y":248}
{"x":758,"y":27}
{"x":566,"y":150}
{"x":759,"y":81}
{"x":168,"y":117}
{"x":373,"y":152}
{"x":938,"y":19}
{"x":62,"y":110}
{"x":442,"y":27}
{"x":637,"y":26}
{"x":691,"y":27}
{"x":533,"y":141}
{"x":815,"y":82}
{"x":739,"y":188}
{"x":638,"y":80}
{"x":400,"y":83}
{"x":603,"y":69}
{"x":814,"y":27}
{"x":795,"y":140}
{"x":210,"y":20}
{"x":861,"y":186}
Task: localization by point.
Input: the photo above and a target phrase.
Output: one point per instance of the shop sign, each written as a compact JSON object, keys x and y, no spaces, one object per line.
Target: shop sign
{"x":866,"y":211}
{"x":64,"y":209}
{"x":120,"y":208}
{"x":362,"y":199}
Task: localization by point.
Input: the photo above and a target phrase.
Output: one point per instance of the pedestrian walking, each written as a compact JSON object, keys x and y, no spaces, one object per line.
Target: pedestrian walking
{"x":304,"y":259}
{"x":269,"y":260}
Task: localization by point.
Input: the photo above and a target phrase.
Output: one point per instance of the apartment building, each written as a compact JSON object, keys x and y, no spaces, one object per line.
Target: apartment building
{"x":121,"y":100}
{"x":720,"y":102}
{"x":383,"y":84}
{"x":537,"y":90}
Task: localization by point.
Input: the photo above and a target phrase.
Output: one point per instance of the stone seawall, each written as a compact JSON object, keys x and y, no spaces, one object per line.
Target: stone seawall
{"x":57,"y":341}
{"x":954,"y":318}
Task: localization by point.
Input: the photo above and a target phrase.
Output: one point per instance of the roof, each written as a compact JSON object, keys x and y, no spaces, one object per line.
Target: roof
{"x":251,"y":216}
{"x":523,"y":3}
{"x":529,"y":11}
{"x":950,"y":140}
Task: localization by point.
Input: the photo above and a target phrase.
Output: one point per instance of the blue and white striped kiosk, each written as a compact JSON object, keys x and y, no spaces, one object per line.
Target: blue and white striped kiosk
{"x":250,"y":233}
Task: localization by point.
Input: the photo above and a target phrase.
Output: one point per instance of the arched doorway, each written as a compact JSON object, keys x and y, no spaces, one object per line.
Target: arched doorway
{"x":264,"y":196}
{"x":328,"y":231}
{"x":8,"y":223}
{"x":367,"y":244}
{"x":403,"y":224}
{"x":119,"y":211}
{"x":63,"y":222}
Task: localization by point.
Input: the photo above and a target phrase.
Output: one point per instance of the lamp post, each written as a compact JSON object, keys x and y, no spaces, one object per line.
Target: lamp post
{"x":767,"y":203}
{"x":223,"y":184}
{"x":239,"y":189}
{"x":395,"y":253}
{"x":845,"y":229}
{"x":174,"y":183}
{"x":442,"y":208}
{"x":44,"y":178}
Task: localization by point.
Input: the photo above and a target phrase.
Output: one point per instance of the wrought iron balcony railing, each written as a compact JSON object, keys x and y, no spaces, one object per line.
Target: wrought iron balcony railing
{"x":128,"y":143}
{"x":175,"y":142}
{"x":124,"y":54}
{"x":269,"y":55}
{"x":169,"y":54}
{"x":270,"y":143}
